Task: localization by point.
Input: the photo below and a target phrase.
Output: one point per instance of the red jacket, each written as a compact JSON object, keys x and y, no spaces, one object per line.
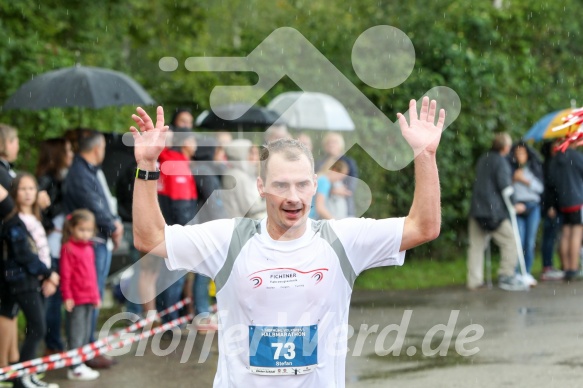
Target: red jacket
{"x":179,"y":185}
{"x":78,"y":275}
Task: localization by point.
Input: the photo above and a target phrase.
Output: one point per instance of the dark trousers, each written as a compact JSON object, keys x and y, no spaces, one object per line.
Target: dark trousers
{"x":551,"y":228}
{"x":169,"y":297}
{"x":54,"y":304}
{"x":80,"y":322}
{"x":32,"y":306}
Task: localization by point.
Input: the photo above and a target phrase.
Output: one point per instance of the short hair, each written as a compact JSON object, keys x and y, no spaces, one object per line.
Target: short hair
{"x":89,"y":140}
{"x":7,"y":133}
{"x":291,"y":149}
{"x":501,"y":140}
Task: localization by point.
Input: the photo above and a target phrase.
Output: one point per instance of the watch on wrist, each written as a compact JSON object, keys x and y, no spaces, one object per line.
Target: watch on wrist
{"x":147,"y":175}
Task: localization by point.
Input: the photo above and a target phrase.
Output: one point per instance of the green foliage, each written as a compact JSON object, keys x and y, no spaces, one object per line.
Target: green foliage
{"x":509,"y":66}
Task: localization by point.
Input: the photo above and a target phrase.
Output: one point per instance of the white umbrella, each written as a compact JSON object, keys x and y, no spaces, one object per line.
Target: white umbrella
{"x":310,"y":110}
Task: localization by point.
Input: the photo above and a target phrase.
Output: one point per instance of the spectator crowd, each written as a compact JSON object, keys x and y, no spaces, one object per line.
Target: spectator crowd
{"x":62,"y":224}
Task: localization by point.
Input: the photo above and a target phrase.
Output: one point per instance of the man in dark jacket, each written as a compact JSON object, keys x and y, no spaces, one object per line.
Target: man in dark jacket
{"x":82,"y":189}
{"x":566,"y":194}
{"x":489,"y":218}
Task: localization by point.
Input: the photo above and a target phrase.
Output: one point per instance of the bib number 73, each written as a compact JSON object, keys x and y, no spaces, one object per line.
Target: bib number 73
{"x":289,"y":350}
{"x":283,"y":350}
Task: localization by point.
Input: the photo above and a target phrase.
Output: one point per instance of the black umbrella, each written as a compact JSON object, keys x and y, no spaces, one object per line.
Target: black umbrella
{"x":79,"y":86}
{"x":225,"y":117}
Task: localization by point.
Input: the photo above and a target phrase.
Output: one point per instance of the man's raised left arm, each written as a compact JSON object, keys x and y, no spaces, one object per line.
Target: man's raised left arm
{"x":423,"y":223}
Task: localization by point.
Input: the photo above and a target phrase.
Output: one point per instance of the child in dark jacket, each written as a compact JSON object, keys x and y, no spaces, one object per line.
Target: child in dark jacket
{"x":27,"y":267}
{"x":79,"y":284}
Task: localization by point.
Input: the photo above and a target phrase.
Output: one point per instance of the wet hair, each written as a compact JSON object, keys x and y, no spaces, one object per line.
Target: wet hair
{"x":14,"y":194}
{"x":7,"y":133}
{"x":74,"y":135}
{"x":291,"y":149}
{"x":501,"y":140}
{"x":89,"y":139}
{"x":74,"y":219}
{"x":52,"y":157}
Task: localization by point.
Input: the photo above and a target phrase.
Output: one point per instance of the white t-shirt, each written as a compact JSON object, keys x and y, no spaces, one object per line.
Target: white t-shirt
{"x":270,"y":293}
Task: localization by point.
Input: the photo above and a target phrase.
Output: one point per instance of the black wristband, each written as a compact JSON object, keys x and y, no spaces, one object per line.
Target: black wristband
{"x":147,"y":175}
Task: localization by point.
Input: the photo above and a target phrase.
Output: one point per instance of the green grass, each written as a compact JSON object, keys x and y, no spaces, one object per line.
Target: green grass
{"x":414,"y":274}
{"x":418,"y":274}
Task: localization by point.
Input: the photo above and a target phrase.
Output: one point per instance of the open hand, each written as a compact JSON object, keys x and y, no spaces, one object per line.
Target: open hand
{"x":422,"y":133}
{"x":55,"y":278}
{"x":117,"y":235}
{"x":43,"y":199}
{"x":69,"y":305}
{"x":150,"y":139}
{"x":48,"y":288}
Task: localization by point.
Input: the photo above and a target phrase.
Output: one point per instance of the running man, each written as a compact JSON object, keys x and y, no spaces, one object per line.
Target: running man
{"x":284,"y":282}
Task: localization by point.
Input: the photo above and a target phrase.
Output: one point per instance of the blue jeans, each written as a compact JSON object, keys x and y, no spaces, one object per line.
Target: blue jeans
{"x":102,"y":265}
{"x":169,"y":297}
{"x":53,"y":311}
{"x":527,"y":228}
{"x":551,"y":227}
{"x":200,"y":290}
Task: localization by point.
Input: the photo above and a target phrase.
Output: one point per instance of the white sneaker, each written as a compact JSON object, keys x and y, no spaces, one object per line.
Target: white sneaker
{"x":82,"y":373}
{"x":39,"y":383}
{"x":512,"y":283}
{"x":530,"y":280}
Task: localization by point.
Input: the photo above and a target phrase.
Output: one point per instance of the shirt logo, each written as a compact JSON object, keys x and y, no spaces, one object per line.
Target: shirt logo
{"x":286,"y":277}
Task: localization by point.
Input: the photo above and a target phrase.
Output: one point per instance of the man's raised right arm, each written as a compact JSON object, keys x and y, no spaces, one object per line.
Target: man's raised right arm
{"x":148,"y":222}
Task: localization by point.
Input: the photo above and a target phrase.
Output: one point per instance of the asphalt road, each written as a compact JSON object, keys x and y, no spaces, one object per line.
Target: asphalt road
{"x":443,"y":337}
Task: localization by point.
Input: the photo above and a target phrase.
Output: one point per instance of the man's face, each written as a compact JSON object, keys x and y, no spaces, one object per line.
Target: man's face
{"x":288,"y":190}
{"x":100,"y":151}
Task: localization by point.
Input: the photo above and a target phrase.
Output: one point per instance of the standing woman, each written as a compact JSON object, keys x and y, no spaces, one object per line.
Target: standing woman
{"x":527,"y":180}
{"x":55,"y":158}
{"x":8,"y":308}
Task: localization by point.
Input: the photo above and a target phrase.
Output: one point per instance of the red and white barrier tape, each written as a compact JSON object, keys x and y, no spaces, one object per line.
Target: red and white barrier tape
{"x":97,"y":352}
{"x":91,"y":348}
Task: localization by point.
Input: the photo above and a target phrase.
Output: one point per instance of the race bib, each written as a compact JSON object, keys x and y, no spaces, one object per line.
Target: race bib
{"x":286,"y":350}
